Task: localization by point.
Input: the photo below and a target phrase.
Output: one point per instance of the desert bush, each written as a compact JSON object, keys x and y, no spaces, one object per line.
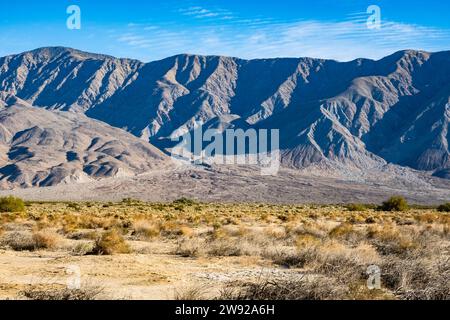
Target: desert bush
{"x":289,"y":258}
{"x":341,"y":231}
{"x":84,"y":248}
{"x":11,"y":204}
{"x":146,"y":229}
{"x":356,"y":207}
{"x":224,"y":248}
{"x":396,"y":203}
{"x":190,"y":293}
{"x":83,"y":235}
{"x":185,"y":202}
{"x":111,"y":242}
{"x":188,"y":248}
{"x":318,"y":288}
{"x":26,"y":241}
{"x":417,"y":279}
{"x":444,"y":207}
{"x":20,"y":241}
{"x":173,"y":230}
{"x":74,"y":206}
{"x":61,"y":294}
{"x":93,"y":222}
{"x":389,"y":240}
{"x":45,"y":239}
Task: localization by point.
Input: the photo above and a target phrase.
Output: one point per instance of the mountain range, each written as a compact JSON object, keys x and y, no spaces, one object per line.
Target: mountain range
{"x":361,"y":114}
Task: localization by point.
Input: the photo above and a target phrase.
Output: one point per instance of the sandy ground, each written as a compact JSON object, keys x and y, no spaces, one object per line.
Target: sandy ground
{"x":193,"y":250}
{"x":136,"y":276}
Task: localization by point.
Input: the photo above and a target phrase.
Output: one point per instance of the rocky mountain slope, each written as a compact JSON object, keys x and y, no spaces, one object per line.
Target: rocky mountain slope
{"x":362,"y":114}
{"x":43,"y":148}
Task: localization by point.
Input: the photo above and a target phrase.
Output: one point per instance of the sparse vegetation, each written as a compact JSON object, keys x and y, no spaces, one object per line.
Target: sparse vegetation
{"x":316,"y":252}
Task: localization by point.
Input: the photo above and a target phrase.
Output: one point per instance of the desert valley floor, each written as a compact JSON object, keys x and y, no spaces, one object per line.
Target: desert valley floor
{"x":191,"y":250}
{"x":246,"y":184}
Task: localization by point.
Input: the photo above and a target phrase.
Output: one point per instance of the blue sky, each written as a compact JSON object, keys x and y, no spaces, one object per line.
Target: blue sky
{"x":151,"y":30}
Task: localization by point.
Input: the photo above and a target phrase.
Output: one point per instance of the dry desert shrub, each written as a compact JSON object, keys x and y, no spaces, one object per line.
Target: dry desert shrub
{"x":174,"y":230}
{"x":189,"y":248}
{"x":45,"y":239}
{"x":342,"y":231}
{"x":27,"y":241}
{"x":61,"y":294}
{"x":347,"y":264}
{"x":83,"y":248}
{"x":111,"y":242}
{"x":314,"y":229}
{"x":317,"y":288}
{"x":416,"y":278}
{"x":191,"y":293}
{"x":94,"y":222}
{"x":388,"y":239}
{"x":146,"y":229}
{"x":290,"y":257}
{"x":20,"y":241}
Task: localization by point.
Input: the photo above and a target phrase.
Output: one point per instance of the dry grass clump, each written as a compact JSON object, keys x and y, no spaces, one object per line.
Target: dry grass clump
{"x":111,"y":242}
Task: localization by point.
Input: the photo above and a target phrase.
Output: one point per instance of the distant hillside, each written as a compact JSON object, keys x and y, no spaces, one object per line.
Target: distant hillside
{"x":360,"y":114}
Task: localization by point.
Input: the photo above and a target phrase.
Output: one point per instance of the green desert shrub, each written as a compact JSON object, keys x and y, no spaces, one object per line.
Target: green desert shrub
{"x":185,"y":201}
{"x":356,"y":207}
{"x":11,"y":204}
{"x":396,"y":203}
{"x":444,"y":207}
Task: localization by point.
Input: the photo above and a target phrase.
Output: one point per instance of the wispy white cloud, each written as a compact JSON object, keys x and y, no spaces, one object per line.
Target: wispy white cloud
{"x":265,"y":38}
{"x":201,"y":12}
